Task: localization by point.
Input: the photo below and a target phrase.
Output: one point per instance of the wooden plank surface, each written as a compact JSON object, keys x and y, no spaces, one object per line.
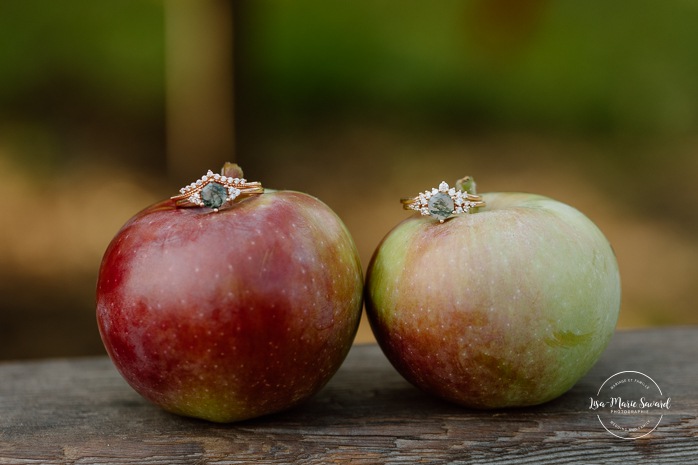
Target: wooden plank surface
{"x":81,"y":411}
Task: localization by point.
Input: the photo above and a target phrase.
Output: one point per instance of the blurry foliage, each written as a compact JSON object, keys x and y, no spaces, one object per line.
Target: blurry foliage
{"x":594,"y":65}
{"x":75,"y":67}
{"x":553,"y":65}
{"x":112,"y":49}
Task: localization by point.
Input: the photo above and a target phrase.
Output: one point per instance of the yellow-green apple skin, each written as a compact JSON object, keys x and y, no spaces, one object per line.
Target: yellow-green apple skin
{"x":505,"y":307}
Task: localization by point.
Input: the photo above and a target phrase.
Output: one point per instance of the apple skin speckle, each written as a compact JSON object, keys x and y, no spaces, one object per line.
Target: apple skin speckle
{"x":506,"y":307}
{"x":233,"y":314}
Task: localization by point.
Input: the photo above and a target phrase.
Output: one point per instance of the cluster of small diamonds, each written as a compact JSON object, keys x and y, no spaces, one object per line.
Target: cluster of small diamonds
{"x":460,"y":200}
{"x":231,"y":184}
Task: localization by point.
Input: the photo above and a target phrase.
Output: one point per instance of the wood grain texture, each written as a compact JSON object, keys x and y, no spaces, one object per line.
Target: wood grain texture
{"x":79,"y":411}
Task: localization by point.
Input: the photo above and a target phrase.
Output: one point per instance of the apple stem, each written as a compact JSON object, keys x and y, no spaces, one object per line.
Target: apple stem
{"x":232,"y":170}
{"x":467,"y":184}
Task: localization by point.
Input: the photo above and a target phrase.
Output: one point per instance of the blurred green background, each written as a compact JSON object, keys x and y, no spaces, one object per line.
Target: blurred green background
{"x":106,"y":107}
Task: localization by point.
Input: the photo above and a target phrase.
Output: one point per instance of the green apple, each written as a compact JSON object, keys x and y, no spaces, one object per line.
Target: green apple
{"x":507,"y":306}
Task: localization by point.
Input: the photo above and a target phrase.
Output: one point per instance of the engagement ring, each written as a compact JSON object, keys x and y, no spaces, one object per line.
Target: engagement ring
{"x":444,"y":202}
{"x":214,"y":191}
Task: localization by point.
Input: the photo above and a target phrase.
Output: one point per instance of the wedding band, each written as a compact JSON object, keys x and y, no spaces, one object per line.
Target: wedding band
{"x":444,"y":202}
{"x":214,"y":191}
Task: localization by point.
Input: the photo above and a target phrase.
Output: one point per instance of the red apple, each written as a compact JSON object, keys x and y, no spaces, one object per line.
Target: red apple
{"x":232,"y":314}
{"x":507,"y":306}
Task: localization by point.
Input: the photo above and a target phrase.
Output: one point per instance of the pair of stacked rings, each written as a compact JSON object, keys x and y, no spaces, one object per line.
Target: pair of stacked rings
{"x":216,"y":190}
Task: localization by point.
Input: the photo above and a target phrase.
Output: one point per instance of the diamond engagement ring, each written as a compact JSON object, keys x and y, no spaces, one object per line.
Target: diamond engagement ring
{"x":214,"y":191}
{"x":444,"y":202}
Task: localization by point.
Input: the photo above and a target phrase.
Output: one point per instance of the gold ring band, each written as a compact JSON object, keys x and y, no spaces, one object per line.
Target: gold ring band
{"x":214,"y":191}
